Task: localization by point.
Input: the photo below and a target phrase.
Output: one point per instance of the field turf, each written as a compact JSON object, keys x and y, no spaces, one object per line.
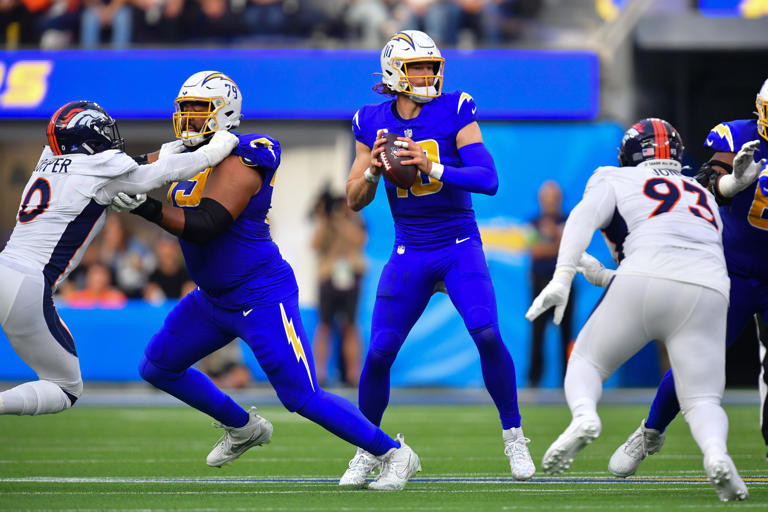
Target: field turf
{"x":140,"y":459}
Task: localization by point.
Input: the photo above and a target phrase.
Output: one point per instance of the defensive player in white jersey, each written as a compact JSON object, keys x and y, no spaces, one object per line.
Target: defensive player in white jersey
{"x":62,"y":209}
{"x":671,"y":285}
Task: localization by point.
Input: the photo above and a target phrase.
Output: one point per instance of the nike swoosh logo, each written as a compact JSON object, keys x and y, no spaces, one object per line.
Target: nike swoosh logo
{"x":403,"y":475}
{"x":462,"y":240}
{"x":474,"y":109}
{"x":246,"y":313}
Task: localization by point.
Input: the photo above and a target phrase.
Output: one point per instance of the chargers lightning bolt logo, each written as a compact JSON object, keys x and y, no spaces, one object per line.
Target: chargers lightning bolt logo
{"x":725,"y":133}
{"x":293,"y":339}
{"x":464,"y":97}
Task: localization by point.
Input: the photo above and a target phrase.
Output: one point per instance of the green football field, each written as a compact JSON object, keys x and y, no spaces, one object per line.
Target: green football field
{"x":154,"y":459}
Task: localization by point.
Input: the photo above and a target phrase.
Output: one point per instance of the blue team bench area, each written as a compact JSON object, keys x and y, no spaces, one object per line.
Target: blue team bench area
{"x":110,"y":344}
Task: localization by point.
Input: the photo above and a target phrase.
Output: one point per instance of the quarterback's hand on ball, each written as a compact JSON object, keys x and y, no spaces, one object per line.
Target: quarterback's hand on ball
{"x":594,"y":271}
{"x":416,"y":152}
{"x":171,"y":148}
{"x":745,"y":170}
{"x":123,"y":202}
{"x":555,"y":294}
{"x":376,"y":150}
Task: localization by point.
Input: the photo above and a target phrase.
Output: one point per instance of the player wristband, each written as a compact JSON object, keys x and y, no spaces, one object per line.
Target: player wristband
{"x":370,"y":177}
{"x":151,"y":209}
{"x":437,"y":171}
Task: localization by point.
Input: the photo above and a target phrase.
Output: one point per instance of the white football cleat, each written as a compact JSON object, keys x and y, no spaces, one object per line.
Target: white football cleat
{"x":560,"y":454}
{"x":360,"y":467}
{"x":627,"y":458}
{"x":723,"y":475}
{"x":236,"y":440}
{"x":397,"y":466}
{"x":516,"y":448}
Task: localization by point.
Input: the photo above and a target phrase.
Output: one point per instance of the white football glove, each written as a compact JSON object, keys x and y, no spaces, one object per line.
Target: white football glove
{"x":219,"y":147}
{"x":594,"y":271}
{"x":745,"y":170}
{"x":554,"y":294}
{"x":171,"y":148}
{"x":123,"y":202}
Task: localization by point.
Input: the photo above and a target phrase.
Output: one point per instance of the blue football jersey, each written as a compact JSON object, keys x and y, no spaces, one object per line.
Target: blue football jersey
{"x":745,"y":220}
{"x":430,"y":212}
{"x":242,"y":267}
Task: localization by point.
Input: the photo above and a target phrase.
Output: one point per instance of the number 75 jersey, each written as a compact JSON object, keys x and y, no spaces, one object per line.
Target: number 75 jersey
{"x":662,"y":224}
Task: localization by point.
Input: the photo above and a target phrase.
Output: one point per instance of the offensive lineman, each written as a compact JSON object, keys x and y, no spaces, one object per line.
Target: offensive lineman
{"x":671,"y":285}
{"x":62,"y":209}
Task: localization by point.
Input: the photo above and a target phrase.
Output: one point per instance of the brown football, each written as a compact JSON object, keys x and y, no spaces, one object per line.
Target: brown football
{"x":394,"y":172}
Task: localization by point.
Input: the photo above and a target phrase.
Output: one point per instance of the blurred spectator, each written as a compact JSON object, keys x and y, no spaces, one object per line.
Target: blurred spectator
{"x":438,"y":18}
{"x":372,"y":22}
{"x":59,"y":24}
{"x":116,"y":16}
{"x":18,"y":20}
{"x":170,"y":280}
{"x":225,"y":366}
{"x":159,"y":21}
{"x":339,"y":239}
{"x":485,"y":18}
{"x":265,"y":17}
{"x":98,"y":291}
{"x":130,"y":260}
{"x":548,"y":228}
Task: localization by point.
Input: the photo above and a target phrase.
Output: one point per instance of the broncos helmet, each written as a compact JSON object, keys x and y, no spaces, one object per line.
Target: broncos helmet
{"x":761,"y":102}
{"x":83,"y":127}
{"x":650,"y":139}
{"x":404,"y":48}
{"x":222,"y":100}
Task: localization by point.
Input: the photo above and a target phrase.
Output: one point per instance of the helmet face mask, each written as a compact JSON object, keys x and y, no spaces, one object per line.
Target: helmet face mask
{"x":83,"y":127}
{"x":403,"y":50}
{"x":761,"y":103}
{"x":221,"y":100}
{"x":651,"y":139}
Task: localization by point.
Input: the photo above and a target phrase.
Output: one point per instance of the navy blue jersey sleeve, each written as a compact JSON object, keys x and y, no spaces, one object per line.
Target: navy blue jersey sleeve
{"x":258,"y":150}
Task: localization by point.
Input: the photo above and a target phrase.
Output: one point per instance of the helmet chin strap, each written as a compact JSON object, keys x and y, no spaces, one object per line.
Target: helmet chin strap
{"x":191,"y":138}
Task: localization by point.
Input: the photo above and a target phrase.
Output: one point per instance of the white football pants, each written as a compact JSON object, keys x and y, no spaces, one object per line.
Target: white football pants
{"x":689,"y":319}
{"x":37,"y":334}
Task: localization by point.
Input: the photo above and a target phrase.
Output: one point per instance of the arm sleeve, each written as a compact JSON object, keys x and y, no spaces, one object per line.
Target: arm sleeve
{"x":144,"y":178}
{"x":206,"y":221}
{"x":594,"y":211}
{"x":478,"y":174}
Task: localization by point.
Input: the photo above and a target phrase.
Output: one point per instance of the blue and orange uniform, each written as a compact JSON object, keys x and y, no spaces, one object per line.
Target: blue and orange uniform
{"x":436,"y":240}
{"x":246,"y":290}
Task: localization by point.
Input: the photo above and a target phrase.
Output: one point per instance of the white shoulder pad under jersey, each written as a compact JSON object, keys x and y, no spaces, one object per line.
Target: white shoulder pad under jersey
{"x":665,"y":224}
{"x":58,"y":215}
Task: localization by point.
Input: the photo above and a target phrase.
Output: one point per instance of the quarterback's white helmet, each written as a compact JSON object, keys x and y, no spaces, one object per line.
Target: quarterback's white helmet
{"x":405,"y":48}
{"x":223,"y":113}
{"x":762,"y":110}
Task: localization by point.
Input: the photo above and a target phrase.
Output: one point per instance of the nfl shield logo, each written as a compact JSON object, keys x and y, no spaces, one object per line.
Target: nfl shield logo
{"x":408,"y":133}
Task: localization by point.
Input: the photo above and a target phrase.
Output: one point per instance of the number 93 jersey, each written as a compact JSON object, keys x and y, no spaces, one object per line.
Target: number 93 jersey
{"x":745,"y":230}
{"x":660,"y":223}
{"x":430,"y":212}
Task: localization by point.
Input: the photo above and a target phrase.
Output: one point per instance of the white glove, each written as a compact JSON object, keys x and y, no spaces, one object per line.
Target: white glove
{"x":594,"y":271}
{"x":554,"y":294}
{"x":745,"y":170}
{"x":123,"y":202}
{"x":219,"y":147}
{"x":171,"y":148}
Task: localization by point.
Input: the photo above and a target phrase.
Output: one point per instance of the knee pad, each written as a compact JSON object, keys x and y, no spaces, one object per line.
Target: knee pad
{"x":385,"y":345}
{"x":154,"y":374}
{"x":479,"y":318}
{"x":487,"y":336}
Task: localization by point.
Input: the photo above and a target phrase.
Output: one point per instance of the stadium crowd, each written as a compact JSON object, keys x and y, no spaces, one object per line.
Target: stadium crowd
{"x":54,"y":24}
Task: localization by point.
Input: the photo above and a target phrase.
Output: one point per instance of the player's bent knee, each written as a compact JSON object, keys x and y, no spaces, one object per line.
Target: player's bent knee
{"x":155,"y":375}
{"x":487,"y":336}
{"x":384,"y":347}
{"x":297,"y":400}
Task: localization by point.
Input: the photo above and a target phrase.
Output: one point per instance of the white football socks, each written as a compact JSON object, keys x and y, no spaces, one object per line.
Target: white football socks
{"x":33,"y":398}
